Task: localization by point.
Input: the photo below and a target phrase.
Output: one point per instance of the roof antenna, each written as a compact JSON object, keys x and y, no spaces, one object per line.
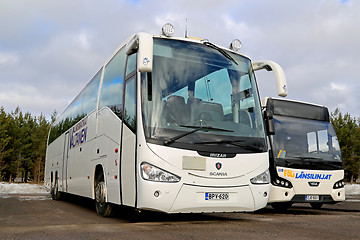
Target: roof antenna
{"x":186,"y":28}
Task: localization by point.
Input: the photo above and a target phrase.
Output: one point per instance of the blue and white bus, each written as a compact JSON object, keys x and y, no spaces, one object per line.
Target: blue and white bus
{"x":167,"y":124}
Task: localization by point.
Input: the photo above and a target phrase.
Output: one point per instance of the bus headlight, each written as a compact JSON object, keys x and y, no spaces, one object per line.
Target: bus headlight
{"x":262,"y":178}
{"x":339,"y":184}
{"x":152,"y":173}
{"x":281,"y":182}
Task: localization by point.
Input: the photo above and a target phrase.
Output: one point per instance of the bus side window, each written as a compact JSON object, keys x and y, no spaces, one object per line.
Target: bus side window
{"x":91,"y":92}
{"x":131,"y":64}
{"x":112,"y":86}
{"x":130,"y":104}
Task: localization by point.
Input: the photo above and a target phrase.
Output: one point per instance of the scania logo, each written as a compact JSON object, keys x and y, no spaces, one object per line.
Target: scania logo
{"x":218,"y":165}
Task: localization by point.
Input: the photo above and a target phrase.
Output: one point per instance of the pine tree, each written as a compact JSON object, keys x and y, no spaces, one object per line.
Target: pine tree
{"x":5,"y":139}
{"x":39,"y":139}
{"x":347,"y":131}
{"x":23,"y":145}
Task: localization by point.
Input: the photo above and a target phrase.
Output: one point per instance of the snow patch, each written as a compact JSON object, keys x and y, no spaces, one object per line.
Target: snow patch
{"x":22,"y":188}
{"x":37,"y":198}
{"x":352,"y":189}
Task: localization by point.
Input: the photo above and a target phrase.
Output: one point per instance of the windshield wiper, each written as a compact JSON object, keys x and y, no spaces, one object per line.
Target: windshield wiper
{"x":222,"y":51}
{"x":237,"y":143}
{"x":196,"y":128}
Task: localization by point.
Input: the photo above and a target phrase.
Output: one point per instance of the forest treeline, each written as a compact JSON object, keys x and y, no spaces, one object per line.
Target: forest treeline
{"x":347,"y":129}
{"x":23,"y":144}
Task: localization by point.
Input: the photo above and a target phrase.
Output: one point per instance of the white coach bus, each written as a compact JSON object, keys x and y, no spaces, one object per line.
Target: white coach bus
{"x":167,"y":124}
{"x":305,"y":161}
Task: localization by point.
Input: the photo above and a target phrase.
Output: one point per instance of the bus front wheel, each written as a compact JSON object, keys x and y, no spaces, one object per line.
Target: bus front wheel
{"x":103,"y":208}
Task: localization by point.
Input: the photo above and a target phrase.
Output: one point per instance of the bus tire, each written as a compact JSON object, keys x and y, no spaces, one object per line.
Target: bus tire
{"x":103,"y":208}
{"x":316,"y":205}
{"x":281,"y":206}
{"x":55,"y":193}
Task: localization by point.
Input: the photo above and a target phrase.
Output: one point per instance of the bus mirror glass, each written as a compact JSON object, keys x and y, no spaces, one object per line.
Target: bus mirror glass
{"x":269,"y":114}
{"x":269,"y":121}
{"x":270,"y":127}
{"x":279,"y":74}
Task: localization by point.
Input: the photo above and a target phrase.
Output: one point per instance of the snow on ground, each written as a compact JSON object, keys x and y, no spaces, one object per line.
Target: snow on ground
{"x":352,"y":189}
{"x":7,"y":189}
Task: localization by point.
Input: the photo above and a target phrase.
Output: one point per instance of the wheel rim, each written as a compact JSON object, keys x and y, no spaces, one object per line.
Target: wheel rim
{"x":100,"y":192}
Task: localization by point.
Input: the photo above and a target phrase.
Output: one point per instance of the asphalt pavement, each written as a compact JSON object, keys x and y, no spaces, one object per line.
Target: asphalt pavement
{"x":36,"y":216}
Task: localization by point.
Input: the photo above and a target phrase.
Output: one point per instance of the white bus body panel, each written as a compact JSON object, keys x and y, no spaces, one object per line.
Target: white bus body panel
{"x":188,"y":195}
{"x":109,"y":130}
{"x":300,"y":180}
{"x":79,"y":167}
{"x":128,"y":163}
{"x":54,"y":161}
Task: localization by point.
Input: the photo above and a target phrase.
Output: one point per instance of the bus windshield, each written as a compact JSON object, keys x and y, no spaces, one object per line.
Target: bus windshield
{"x":198,"y":96}
{"x":306,"y":144}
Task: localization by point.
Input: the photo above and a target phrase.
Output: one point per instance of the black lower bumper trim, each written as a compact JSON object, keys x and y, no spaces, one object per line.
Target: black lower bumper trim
{"x":322,"y":199}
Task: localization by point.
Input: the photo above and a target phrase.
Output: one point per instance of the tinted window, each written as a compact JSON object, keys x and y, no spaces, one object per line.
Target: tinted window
{"x":91,"y":93}
{"x":112,"y":86}
{"x":130,"y":104}
{"x":82,"y":105}
{"x":131,"y":64}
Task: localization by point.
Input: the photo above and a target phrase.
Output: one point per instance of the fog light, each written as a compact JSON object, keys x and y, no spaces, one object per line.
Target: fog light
{"x":265,"y":194}
{"x":156,"y":194}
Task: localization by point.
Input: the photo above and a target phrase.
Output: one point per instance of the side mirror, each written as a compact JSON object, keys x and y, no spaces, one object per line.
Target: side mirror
{"x":269,"y":122}
{"x":270,"y":127}
{"x":142,"y":43}
{"x":279,"y":74}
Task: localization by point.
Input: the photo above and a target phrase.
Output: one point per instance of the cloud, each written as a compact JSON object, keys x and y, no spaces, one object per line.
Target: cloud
{"x":8,"y":58}
{"x":50,"y":50}
{"x":338,"y":87}
{"x":29,"y":98}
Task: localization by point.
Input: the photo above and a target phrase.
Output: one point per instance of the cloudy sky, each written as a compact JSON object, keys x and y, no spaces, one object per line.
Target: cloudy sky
{"x":49,"y":50}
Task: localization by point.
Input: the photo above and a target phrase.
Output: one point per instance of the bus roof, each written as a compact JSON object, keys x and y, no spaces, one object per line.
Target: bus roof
{"x":292,"y":108}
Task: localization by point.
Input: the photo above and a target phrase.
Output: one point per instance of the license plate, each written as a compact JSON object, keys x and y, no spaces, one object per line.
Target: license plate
{"x":312,"y":198}
{"x":217,"y":196}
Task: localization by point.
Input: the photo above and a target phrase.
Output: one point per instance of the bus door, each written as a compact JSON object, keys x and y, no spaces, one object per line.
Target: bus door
{"x":128,"y":144}
{"x":65,"y":162}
